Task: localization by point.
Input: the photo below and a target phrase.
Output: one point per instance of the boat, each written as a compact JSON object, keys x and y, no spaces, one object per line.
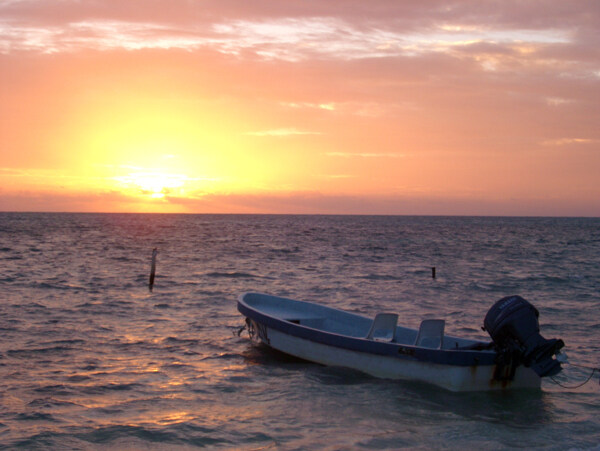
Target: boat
{"x":517,"y":357}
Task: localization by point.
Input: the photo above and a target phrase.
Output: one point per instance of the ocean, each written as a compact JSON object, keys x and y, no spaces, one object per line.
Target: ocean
{"x":90,"y":359}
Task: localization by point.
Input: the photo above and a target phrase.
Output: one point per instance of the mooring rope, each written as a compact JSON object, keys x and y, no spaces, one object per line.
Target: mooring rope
{"x":584,"y":382}
{"x":240,"y":330}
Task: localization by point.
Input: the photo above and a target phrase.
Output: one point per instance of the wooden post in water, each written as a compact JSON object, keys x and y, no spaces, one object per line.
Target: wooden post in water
{"x":433,"y":272}
{"x":153,"y":269}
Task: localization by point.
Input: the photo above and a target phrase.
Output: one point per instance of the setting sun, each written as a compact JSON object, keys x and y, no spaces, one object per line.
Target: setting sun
{"x":153,"y":184}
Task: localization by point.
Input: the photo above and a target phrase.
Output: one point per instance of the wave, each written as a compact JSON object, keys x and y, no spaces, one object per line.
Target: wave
{"x":61,"y":285}
{"x":224,"y":356}
{"x":36,"y":416}
{"x":232,"y":275}
{"x":380,"y":277}
{"x":56,"y":390}
{"x":27,"y":353}
{"x":104,"y":388}
{"x":13,"y":257}
{"x":48,"y":403}
{"x":124,"y":437}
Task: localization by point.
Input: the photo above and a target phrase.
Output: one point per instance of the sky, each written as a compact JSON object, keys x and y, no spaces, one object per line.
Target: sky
{"x":301,"y":106}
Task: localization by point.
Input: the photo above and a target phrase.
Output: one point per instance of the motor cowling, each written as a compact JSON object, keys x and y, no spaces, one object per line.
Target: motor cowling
{"x":512,"y":322}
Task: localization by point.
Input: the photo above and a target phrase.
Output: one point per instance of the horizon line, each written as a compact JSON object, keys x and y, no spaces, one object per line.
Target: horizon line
{"x":300,"y":214}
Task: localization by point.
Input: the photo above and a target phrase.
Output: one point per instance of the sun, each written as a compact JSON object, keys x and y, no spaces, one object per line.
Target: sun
{"x":153,"y":184}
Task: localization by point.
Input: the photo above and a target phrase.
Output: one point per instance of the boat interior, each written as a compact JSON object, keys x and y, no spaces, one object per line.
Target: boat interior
{"x":383,"y":327}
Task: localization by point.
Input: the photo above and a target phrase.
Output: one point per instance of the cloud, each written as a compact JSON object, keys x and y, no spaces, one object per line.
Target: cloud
{"x":339,"y":176}
{"x":363,"y":155}
{"x":308,"y":202}
{"x":283,"y":132}
{"x":558,"y":101}
{"x":284,"y":37}
{"x":514,"y":39}
{"x":103,"y":35}
{"x":45,"y":176}
{"x":330,"y":106}
{"x":569,"y":141}
{"x":57,"y":201}
{"x":302,"y":202}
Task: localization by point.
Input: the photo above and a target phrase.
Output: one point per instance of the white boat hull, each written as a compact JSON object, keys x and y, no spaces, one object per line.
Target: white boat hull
{"x":453,"y":378}
{"x":333,"y":337}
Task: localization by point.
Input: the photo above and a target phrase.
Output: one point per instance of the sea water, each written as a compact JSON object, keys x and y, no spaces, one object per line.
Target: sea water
{"x":91,"y":359}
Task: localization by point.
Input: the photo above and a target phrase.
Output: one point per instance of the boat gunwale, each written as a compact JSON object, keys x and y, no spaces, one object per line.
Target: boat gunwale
{"x":453,"y":357}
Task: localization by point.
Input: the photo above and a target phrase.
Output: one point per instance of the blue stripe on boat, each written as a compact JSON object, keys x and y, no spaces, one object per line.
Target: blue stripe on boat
{"x":440,"y":356}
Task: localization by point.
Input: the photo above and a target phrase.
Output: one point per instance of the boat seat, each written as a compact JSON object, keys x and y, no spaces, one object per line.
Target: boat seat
{"x":383,"y":327}
{"x":431,"y":334}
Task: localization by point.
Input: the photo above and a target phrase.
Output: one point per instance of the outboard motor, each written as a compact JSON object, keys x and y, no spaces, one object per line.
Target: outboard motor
{"x":512,"y":322}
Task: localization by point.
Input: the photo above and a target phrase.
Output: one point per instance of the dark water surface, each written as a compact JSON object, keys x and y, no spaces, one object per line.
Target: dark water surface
{"x":89,"y":359}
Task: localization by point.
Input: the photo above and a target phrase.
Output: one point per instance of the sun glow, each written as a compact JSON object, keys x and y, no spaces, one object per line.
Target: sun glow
{"x":154,"y":184}
{"x":170,"y":154}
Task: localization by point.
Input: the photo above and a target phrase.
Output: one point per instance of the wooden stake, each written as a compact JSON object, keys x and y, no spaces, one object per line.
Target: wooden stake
{"x":153,"y":269}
